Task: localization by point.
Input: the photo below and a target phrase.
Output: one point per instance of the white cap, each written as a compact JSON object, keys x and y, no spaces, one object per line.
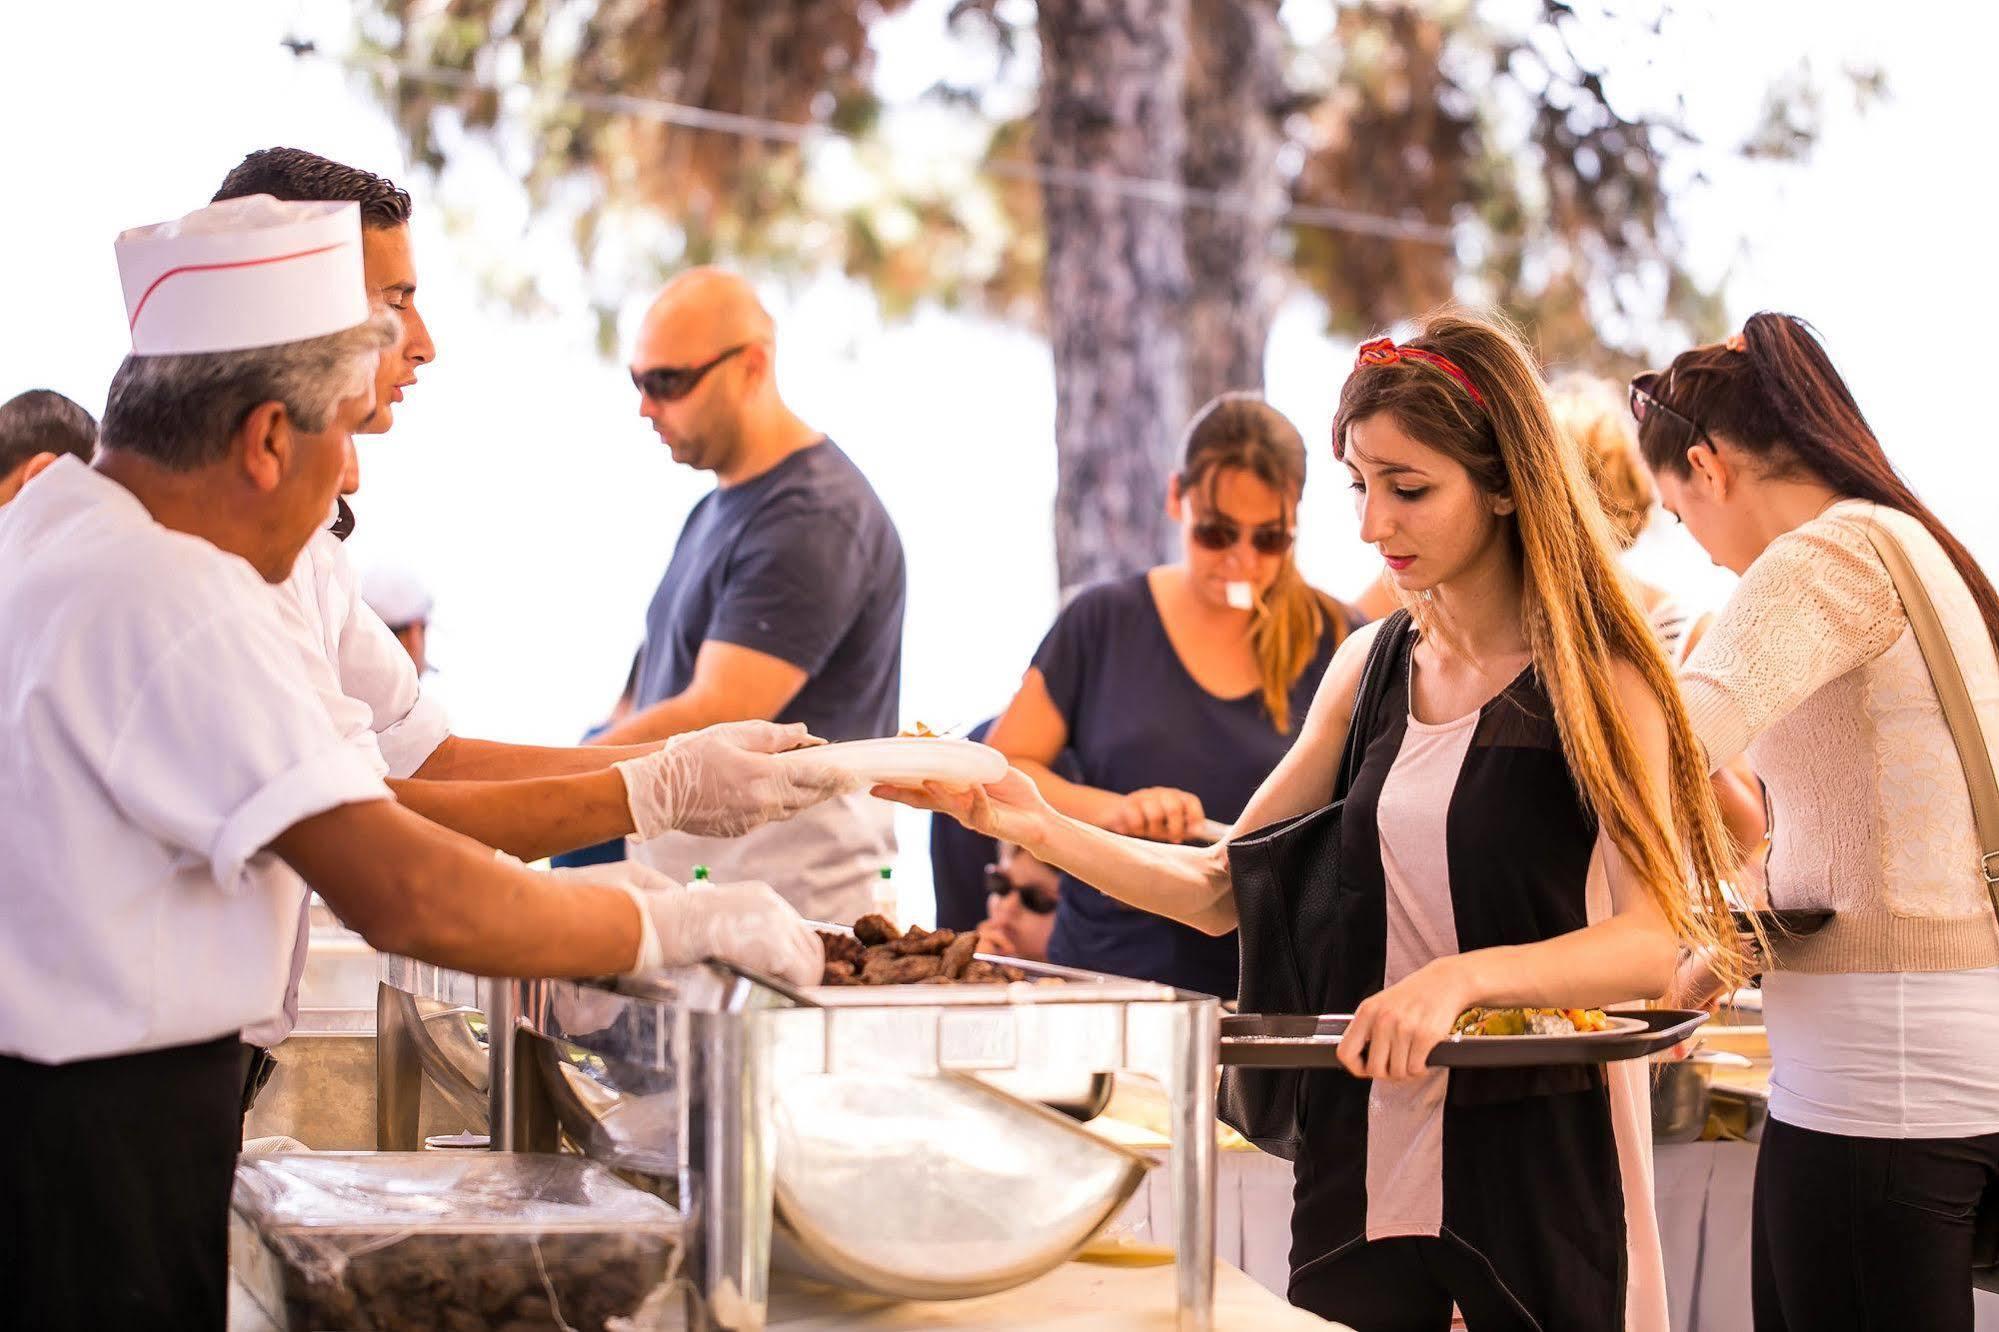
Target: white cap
{"x":248,"y":272}
{"x":397,"y":595}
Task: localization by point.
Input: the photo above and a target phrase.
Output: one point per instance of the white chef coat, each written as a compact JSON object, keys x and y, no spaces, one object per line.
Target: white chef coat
{"x":155,"y":736}
{"x":370,"y":686}
{"x":371,"y":691}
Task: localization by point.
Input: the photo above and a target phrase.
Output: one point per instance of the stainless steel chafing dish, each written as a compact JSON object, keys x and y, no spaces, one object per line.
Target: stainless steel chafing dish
{"x":842,"y":1133}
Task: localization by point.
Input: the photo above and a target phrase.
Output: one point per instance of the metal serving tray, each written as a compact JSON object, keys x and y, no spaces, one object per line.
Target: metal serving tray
{"x":1276,"y":1040}
{"x":722,"y":1089}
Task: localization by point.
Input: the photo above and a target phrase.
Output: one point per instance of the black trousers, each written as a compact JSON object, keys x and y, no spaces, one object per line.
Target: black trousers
{"x":114,"y":1188}
{"x":1409,"y":1285}
{"x":1867,"y":1233}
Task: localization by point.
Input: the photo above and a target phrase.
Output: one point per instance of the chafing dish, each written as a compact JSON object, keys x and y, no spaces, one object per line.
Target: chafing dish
{"x":844,"y":1133}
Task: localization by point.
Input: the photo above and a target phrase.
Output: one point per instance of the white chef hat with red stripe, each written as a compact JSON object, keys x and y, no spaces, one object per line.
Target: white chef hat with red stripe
{"x":249,"y":272}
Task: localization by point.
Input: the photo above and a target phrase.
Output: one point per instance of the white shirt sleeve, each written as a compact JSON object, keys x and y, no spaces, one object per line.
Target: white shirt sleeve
{"x":222,"y":746}
{"x":409,"y":724}
{"x":1816,"y":604}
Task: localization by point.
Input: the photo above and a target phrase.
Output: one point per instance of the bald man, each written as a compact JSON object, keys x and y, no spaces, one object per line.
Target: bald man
{"x":784,"y":597}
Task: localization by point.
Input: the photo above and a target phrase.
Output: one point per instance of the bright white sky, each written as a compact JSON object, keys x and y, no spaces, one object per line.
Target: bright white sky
{"x":521,"y":485}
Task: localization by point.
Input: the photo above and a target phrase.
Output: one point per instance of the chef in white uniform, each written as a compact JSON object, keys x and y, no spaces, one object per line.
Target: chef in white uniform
{"x":526,"y":800}
{"x":172,"y":786}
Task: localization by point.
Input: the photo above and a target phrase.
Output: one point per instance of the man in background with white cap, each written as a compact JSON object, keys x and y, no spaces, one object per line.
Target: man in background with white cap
{"x":403,"y":603}
{"x":172,"y":786}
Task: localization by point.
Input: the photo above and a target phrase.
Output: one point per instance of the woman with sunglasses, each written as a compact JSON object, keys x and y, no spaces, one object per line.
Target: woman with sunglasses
{"x":1021,"y":893}
{"x":1530,"y":824}
{"x":1178,"y":690}
{"x":1884,"y":1088}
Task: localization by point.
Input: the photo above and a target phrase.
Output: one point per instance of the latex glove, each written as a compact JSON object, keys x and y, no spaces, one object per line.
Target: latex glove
{"x":726,"y":780}
{"x":744,"y":923}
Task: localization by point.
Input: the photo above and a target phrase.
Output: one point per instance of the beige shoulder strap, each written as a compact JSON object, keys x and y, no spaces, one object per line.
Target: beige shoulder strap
{"x":1958,"y":712}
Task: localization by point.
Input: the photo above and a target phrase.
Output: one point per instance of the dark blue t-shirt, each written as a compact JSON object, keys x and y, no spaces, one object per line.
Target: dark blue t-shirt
{"x":1136,"y":719}
{"x":802,"y":564}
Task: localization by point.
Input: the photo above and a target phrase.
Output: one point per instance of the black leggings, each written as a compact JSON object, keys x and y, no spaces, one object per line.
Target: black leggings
{"x":1868,"y":1233}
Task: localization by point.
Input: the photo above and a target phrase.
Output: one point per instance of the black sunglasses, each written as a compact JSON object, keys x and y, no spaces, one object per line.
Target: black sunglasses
{"x":1222,"y":533}
{"x":1647,"y":409}
{"x":1034,"y":899}
{"x":670,"y":383}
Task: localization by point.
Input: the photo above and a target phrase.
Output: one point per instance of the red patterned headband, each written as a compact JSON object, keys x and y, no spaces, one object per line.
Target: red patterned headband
{"x":1383,"y":351}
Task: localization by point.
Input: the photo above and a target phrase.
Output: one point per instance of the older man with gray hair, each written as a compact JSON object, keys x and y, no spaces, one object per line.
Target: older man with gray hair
{"x":173,"y":788}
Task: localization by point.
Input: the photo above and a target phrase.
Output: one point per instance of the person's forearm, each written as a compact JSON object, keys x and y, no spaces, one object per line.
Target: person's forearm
{"x":461,"y":759}
{"x":1190,"y":884}
{"x":1089,"y":803}
{"x":666,"y":719}
{"x":538,"y":817}
{"x":529,"y":924}
{"x":1740,"y":796}
{"x":415,"y":889}
{"x":1619,"y":960}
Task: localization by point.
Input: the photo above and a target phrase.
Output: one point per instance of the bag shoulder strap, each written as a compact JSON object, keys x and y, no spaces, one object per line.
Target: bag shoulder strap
{"x":1965,"y":731}
{"x":1373,"y":682}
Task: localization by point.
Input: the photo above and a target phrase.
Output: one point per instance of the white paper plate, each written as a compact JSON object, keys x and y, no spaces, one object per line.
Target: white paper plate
{"x":911,"y":761}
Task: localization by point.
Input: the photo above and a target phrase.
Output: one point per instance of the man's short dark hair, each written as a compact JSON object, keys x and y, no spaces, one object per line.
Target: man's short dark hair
{"x":43,"y":421}
{"x":294,"y":173}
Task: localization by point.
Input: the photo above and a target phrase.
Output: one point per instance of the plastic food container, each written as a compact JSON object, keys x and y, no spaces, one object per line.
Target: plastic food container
{"x":451,"y":1240}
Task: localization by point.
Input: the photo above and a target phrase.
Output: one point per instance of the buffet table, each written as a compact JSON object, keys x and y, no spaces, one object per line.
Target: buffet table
{"x":1075,"y":1297}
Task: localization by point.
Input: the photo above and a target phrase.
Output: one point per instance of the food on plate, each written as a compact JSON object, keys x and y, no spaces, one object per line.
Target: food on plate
{"x":1529,"y":1022}
{"x":873,"y":930}
{"x":918,"y":732}
{"x":877,"y":953}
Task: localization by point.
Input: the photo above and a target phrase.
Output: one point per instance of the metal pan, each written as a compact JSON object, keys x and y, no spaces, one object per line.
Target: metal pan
{"x":1275,"y":1040}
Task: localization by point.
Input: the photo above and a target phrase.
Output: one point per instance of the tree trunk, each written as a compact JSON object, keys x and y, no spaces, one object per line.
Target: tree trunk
{"x":1113,"y":75}
{"x":1234,"y":98}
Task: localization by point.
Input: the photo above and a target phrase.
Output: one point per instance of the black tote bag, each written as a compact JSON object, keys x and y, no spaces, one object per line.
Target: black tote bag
{"x":1286,"y":882}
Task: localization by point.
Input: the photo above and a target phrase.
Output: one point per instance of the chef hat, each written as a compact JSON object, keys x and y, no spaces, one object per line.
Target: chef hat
{"x":248,"y":272}
{"x":397,"y":595}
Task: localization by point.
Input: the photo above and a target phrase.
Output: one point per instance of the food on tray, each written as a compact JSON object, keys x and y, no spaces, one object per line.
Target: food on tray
{"x":439,"y":1280}
{"x":1529,"y":1022}
{"x":877,"y":953}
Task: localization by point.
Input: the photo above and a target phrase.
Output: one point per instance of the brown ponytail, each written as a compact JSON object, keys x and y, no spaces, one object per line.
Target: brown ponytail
{"x":1775,"y":393}
{"x":1242,"y":431}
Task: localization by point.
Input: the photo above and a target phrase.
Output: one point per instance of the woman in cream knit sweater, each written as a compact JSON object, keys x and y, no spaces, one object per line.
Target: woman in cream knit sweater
{"x":1884,"y":1136}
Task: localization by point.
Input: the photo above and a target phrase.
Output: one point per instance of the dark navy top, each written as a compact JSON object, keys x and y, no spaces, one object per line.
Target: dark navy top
{"x":803,"y":564}
{"x":1136,"y":718}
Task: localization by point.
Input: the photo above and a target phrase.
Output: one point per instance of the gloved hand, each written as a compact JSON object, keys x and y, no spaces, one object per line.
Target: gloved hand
{"x":726,"y":780}
{"x":744,"y":923}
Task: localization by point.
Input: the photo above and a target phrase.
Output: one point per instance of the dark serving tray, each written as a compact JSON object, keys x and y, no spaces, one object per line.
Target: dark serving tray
{"x":1275,"y":1040}
{"x":1795,"y":922}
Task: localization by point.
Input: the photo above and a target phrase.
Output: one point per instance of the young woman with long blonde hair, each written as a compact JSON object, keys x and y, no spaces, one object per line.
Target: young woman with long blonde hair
{"x":1529,"y":811}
